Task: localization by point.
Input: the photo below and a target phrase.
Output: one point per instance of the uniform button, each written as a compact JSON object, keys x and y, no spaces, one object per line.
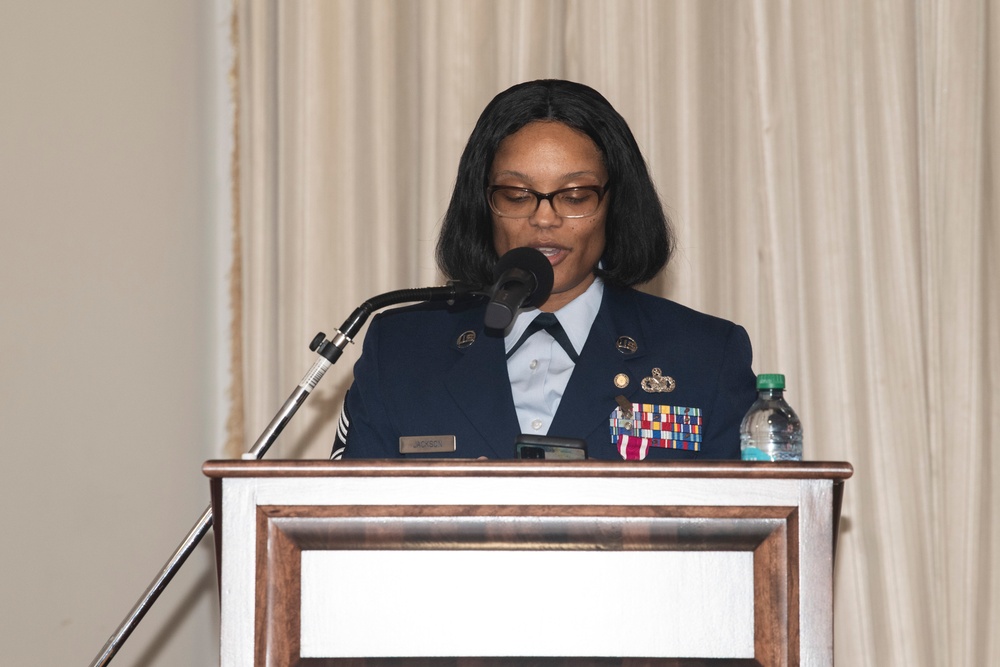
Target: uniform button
{"x":534,"y":364}
{"x":537,"y":424}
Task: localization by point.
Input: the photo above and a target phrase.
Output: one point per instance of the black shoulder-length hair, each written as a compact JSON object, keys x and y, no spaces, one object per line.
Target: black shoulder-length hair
{"x":638,"y":236}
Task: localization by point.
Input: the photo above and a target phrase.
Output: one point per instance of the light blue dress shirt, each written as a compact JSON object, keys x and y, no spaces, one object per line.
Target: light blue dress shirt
{"x":540,"y":369}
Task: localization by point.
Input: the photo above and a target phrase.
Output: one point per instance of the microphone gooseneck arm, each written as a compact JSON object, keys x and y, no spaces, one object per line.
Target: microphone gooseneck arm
{"x":329,"y":351}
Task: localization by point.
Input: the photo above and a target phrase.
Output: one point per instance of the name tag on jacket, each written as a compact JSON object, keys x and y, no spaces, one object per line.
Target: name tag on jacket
{"x":426,"y":444}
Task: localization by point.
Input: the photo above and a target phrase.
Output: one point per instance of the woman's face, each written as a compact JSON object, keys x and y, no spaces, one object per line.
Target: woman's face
{"x":546,"y":156}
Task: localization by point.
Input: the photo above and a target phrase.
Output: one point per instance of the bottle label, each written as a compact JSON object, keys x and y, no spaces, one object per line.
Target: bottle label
{"x":754,"y":454}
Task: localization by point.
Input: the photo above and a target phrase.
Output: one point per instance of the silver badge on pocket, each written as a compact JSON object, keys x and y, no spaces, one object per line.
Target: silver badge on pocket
{"x":658,"y":383}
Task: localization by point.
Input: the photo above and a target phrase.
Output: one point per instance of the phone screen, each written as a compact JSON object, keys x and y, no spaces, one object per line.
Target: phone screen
{"x":549,"y":447}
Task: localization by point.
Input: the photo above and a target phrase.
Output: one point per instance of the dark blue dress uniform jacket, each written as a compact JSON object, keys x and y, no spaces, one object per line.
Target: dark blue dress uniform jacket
{"x":414,"y":379}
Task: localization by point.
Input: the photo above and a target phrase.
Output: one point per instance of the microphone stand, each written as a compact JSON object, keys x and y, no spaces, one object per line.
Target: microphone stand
{"x":329,"y":352}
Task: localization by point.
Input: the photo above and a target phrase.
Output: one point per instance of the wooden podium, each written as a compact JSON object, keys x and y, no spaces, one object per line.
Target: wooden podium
{"x":522,"y":562}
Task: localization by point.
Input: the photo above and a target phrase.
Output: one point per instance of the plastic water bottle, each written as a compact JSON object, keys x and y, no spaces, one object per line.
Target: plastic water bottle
{"x":771,"y":431}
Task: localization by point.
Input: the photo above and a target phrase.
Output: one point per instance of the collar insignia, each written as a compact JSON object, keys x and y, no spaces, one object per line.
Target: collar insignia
{"x":626,"y":345}
{"x":466,"y":339}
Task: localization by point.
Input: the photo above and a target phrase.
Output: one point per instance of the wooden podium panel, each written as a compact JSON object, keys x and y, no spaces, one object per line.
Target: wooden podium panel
{"x":526,"y":562}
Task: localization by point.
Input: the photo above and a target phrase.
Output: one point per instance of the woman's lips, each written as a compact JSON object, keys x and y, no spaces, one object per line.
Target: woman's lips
{"x":553,"y":253}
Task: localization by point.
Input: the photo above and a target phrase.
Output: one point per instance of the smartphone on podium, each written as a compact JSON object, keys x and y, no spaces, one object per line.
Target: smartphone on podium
{"x":550,"y":448}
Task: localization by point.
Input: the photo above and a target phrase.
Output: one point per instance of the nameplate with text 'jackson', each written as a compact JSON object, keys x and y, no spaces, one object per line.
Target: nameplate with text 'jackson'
{"x":426,"y":444}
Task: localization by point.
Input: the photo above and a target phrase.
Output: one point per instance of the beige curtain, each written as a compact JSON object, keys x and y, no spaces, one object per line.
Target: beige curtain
{"x":831,"y":168}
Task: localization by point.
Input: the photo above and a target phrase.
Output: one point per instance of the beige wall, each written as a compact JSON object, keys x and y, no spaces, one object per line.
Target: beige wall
{"x":109,"y":275}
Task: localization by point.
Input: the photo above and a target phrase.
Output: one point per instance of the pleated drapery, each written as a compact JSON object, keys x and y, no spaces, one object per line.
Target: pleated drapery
{"x":830,"y":168}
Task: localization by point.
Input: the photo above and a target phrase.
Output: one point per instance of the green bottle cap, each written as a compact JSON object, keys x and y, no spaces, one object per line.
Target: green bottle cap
{"x":770,"y":381}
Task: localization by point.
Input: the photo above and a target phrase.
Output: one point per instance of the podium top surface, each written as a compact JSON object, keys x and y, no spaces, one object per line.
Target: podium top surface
{"x":833,"y":470}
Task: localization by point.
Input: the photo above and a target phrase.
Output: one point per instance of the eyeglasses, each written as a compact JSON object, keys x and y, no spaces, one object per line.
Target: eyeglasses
{"x":508,"y":201}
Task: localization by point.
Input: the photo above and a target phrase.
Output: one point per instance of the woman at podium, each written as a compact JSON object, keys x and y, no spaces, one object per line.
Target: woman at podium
{"x":552,"y":166}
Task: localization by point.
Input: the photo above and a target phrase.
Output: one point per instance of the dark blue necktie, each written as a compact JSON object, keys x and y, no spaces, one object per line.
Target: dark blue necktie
{"x":547,"y":322}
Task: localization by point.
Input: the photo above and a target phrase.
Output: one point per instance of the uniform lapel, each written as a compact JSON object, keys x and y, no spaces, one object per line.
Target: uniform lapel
{"x":589,"y":398}
{"x":485,"y":399}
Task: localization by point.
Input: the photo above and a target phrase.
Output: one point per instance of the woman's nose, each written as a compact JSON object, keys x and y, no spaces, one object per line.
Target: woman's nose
{"x":545,"y":215}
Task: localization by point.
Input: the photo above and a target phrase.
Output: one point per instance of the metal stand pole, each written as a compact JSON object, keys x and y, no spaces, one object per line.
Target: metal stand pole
{"x":329,"y":351}
{"x":155,"y":588}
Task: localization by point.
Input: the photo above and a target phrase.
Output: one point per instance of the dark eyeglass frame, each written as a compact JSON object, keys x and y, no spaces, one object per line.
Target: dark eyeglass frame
{"x":599,"y":190}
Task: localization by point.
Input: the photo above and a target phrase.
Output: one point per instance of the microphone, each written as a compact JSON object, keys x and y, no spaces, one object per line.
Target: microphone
{"x":523,"y":279}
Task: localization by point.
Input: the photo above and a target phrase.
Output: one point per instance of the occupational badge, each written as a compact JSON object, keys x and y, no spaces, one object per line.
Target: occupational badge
{"x":658,"y":383}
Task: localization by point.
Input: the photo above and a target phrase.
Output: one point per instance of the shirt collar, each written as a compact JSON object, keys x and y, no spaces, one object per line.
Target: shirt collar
{"x":576,"y":317}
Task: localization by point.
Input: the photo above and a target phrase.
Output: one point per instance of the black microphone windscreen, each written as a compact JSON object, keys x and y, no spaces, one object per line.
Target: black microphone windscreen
{"x":531,"y":260}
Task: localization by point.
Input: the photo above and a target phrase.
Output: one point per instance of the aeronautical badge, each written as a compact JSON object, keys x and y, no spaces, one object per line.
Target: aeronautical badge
{"x":635,"y":427}
{"x":658,"y":383}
